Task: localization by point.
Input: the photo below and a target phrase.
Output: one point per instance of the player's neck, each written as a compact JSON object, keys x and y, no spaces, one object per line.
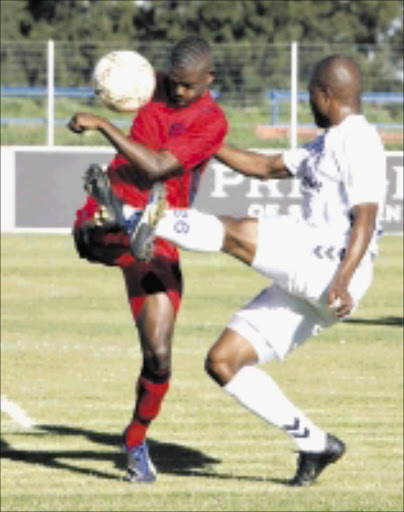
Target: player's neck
{"x":342,"y":113}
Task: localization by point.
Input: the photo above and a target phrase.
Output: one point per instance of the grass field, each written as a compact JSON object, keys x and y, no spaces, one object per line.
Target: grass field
{"x":70,"y":357}
{"x":243,"y":122}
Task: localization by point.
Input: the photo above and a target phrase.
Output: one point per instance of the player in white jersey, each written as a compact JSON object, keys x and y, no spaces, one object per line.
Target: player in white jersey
{"x":320,"y":264}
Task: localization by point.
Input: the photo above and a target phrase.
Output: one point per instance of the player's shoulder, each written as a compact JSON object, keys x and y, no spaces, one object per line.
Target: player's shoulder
{"x":357,"y":126}
{"x":359,"y":141}
{"x":209,"y":108}
{"x":356,"y":131}
{"x":208,"y":99}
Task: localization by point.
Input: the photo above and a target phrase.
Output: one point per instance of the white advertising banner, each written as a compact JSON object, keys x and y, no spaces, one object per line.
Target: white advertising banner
{"x":41,"y":188}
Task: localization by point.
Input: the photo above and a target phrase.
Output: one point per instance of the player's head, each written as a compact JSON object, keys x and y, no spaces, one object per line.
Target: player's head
{"x":335,"y":89}
{"x":191,"y":70}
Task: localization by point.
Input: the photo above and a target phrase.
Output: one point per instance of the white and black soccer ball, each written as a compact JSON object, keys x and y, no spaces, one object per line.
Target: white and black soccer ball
{"x":124,"y":80}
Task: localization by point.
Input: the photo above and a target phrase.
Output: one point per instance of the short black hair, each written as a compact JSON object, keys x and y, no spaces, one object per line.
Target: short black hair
{"x":192,"y":51}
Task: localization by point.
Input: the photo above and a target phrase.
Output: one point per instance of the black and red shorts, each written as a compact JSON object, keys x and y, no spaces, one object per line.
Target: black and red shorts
{"x":111,"y":247}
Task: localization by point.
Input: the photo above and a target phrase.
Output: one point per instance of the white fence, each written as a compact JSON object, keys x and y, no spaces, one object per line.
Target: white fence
{"x":246,"y":75}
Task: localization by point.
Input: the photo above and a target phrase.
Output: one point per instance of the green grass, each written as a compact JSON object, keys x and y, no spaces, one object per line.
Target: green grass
{"x":243,"y":122}
{"x":70,"y":356}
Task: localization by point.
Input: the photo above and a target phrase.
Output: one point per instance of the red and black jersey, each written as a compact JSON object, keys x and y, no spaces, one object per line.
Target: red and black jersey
{"x":193,"y":134}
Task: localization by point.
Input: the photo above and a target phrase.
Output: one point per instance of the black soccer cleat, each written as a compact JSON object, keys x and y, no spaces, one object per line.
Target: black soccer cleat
{"x":96,"y":183}
{"x":311,"y":464}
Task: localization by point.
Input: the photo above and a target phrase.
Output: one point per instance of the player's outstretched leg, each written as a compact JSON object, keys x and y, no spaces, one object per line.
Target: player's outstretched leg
{"x":311,"y":464}
{"x":96,"y":183}
{"x":142,"y":237}
{"x":231,"y":363}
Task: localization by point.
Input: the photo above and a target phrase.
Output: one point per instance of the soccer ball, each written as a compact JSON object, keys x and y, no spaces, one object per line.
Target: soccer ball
{"x":124,"y":80}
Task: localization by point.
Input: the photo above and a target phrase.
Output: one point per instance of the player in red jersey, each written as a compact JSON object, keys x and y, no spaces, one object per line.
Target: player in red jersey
{"x":171,"y":140}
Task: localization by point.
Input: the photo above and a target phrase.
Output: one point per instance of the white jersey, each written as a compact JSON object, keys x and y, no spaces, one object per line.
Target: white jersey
{"x":343,"y":167}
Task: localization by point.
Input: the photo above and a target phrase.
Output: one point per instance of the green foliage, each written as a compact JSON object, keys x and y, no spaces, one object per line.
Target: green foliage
{"x":256,"y":25}
{"x":221,"y":21}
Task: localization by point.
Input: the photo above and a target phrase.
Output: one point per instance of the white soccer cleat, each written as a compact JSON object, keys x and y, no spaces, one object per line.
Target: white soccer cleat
{"x":142,"y":237}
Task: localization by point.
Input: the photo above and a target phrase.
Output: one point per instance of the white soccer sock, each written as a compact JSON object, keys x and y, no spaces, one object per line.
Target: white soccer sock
{"x":259,"y":393}
{"x":192,"y":230}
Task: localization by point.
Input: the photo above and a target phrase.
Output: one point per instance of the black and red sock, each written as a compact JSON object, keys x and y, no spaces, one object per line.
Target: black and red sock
{"x":151,"y":389}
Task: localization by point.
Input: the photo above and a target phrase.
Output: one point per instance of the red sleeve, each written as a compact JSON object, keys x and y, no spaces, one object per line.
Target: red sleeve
{"x":201,"y":140}
{"x":144,"y":130}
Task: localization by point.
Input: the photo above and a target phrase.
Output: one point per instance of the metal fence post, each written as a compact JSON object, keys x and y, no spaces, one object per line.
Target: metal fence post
{"x":51,"y":93}
{"x":293,"y":95}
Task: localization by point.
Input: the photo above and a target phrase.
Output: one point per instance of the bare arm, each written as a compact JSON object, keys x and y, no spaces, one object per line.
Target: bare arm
{"x":253,"y":164}
{"x":364,"y":218}
{"x":153,"y":165}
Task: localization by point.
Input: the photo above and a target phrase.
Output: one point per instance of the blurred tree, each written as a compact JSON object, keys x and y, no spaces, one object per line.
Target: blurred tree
{"x":261,"y":30}
{"x":15,"y":20}
{"x":221,"y":21}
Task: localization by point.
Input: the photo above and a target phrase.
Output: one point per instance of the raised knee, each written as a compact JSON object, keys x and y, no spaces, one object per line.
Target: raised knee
{"x":240,"y":239}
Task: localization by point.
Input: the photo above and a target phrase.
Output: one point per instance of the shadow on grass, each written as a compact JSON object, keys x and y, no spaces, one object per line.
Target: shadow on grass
{"x":168,"y":458}
{"x":393,"y":321}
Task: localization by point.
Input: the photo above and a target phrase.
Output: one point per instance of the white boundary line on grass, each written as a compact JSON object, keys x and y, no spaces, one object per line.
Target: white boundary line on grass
{"x":16,"y":413}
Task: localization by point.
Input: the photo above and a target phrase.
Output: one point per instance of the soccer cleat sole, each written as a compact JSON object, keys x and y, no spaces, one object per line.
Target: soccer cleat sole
{"x":160,"y":205}
{"x":142,"y":239}
{"x":96,"y":184}
{"x":142,"y":243}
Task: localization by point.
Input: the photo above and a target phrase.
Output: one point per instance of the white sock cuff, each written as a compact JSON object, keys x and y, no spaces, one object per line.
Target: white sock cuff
{"x":216,"y":230}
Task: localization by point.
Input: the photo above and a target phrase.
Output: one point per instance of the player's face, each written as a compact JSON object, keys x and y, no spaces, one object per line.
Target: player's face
{"x":319,"y":103}
{"x":187,"y":85}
